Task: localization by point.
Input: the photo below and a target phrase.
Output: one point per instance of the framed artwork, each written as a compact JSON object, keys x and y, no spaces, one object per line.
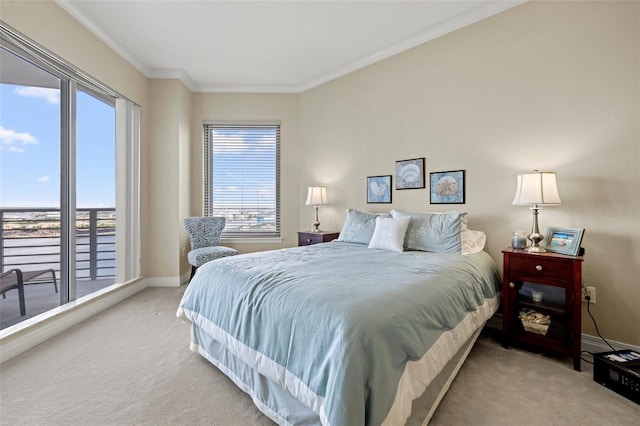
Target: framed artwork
{"x":379,"y":189}
{"x":447,"y":187}
{"x":410,"y":174}
{"x":564,"y":240}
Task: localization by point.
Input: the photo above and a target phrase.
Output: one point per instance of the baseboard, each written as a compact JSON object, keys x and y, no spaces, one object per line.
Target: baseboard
{"x":21,"y":337}
{"x":596,"y":344}
{"x":164,"y":281}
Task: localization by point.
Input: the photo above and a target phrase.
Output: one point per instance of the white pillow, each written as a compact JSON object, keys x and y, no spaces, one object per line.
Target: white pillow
{"x":473,"y":241}
{"x":389,"y":233}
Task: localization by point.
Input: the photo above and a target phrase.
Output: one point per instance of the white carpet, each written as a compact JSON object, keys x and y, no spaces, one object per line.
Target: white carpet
{"x":131,"y":365}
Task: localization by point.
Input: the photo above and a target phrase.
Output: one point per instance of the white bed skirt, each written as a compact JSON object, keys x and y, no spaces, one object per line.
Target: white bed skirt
{"x":422,"y":385}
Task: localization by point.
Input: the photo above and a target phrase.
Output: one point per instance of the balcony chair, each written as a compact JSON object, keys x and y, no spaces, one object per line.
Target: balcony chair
{"x":204,"y":235}
{"x":22,"y":277}
{"x":8,"y":283}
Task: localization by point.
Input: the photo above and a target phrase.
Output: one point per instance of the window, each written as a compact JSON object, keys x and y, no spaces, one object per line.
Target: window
{"x":242,"y":178}
{"x":69,"y":185}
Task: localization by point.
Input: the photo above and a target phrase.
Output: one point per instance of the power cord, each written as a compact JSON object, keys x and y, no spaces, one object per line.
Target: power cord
{"x":588,"y":299}
{"x":584,"y":359}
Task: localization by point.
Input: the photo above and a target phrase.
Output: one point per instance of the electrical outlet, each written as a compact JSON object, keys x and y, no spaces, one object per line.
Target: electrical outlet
{"x":591,"y":291}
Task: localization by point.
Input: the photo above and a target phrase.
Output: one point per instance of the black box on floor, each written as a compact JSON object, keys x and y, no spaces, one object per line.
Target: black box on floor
{"x":619,"y":371}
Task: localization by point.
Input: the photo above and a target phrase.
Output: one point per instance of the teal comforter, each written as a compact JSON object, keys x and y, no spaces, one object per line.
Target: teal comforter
{"x":336,"y":323}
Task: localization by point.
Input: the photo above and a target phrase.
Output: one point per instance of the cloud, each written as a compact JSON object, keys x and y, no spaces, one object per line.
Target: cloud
{"x":8,"y":136}
{"x":10,"y":140}
{"x":13,"y":148}
{"x":50,"y":95}
{"x":43,"y":179}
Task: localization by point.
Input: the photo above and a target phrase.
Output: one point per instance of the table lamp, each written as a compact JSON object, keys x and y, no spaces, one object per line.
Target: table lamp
{"x":316,"y":196}
{"x":536,"y":189}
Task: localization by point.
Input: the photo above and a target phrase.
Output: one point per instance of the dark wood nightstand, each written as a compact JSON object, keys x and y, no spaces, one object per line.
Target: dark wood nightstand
{"x":307,"y":238}
{"x":541,"y":297}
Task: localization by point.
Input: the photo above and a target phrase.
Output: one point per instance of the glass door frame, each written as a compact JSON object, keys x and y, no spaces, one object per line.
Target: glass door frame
{"x":127,"y":161}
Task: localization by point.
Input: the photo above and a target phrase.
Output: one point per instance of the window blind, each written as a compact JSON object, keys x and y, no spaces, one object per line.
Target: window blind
{"x":242,"y":178}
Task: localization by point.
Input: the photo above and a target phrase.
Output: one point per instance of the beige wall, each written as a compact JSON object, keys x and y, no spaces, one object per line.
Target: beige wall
{"x":254,"y":107}
{"x":169,"y":172}
{"x":546,"y":85}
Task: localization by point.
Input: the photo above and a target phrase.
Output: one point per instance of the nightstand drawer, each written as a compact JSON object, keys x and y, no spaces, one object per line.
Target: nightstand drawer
{"x":310,"y":238}
{"x":541,"y":267}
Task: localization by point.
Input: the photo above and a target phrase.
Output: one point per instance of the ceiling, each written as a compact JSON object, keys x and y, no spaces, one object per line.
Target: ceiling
{"x":269,"y":46}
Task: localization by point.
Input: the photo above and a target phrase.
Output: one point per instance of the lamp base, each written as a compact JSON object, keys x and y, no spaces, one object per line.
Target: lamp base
{"x":535,"y":236}
{"x":536,"y":249}
{"x":316,"y":224}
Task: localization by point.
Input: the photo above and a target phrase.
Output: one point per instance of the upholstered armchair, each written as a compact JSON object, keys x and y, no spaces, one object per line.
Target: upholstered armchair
{"x":204,"y":234}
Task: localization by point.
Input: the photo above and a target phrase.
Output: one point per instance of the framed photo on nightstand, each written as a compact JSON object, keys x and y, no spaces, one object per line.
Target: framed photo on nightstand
{"x":564,"y":240}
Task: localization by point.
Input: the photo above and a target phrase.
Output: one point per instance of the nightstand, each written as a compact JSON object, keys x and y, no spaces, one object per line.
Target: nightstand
{"x":307,"y":238}
{"x":541,"y":297}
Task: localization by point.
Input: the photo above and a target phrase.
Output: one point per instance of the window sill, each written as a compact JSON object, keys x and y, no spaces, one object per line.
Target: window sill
{"x":254,"y":240}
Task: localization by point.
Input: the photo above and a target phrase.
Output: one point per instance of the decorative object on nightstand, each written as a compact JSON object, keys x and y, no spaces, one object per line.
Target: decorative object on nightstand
{"x":308,"y":238}
{"x":564,"y":240}
{"x":519,"y":240}
{"x":316,"y":196}
{"x":536,"y":189}
{"x":541,"y":296}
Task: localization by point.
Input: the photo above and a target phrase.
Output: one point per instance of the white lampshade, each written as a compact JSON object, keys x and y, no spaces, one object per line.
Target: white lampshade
{"x":537,"y":189}
{"x":316,"y":196}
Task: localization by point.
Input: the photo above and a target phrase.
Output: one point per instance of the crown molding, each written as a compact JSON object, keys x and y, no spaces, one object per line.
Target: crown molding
{"x":124,"y":53}
{"x":174,"y":74}
{"x":481,"y":11}
{"x":471,"y":16}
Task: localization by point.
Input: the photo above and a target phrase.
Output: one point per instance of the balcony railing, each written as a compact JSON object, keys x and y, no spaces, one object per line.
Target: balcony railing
{"x":30,"y":240}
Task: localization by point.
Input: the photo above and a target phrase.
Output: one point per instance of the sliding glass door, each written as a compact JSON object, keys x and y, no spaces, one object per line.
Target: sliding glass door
{"x":59,"y":188}
{"x":30,"y":172}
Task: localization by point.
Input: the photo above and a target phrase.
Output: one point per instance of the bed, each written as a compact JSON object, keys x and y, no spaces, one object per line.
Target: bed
{"x":344,"y":333}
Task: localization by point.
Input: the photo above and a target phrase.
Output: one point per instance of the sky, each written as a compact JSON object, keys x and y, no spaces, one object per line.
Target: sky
{"x":244,"y":175}
{"x":30,"y":149}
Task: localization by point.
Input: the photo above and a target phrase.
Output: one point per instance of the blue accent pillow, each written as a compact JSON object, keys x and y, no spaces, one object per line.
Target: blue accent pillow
{"x":359,"y":226}
{"x":434,"y":232}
